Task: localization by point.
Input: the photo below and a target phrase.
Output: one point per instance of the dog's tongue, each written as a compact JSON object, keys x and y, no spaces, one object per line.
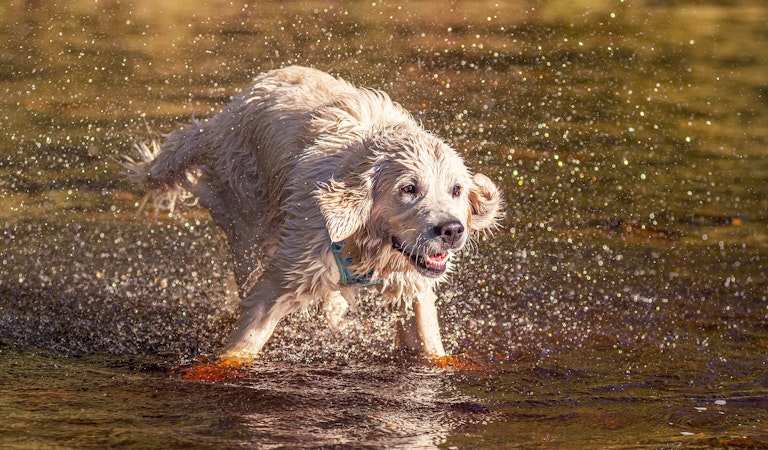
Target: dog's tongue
{"x":436,"y":261}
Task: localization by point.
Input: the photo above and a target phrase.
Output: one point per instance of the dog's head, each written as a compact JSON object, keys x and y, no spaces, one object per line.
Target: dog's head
{"x":408,"y":193}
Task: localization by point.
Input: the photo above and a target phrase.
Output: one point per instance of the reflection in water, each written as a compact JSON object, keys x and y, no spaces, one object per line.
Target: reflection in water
{"x":622,"y":303}
{"x":129,"y":401}
{"x":394,"y":408}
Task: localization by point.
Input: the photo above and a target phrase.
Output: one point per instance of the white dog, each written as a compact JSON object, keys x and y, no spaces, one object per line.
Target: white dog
{"x":323,"y":188}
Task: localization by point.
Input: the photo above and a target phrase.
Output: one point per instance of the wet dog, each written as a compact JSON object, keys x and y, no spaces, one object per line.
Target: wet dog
{"x":322,"y":189}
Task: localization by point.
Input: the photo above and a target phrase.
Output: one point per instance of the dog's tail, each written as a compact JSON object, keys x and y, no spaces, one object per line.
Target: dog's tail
{"x":165,"y":192}
{"x":138,"y":170}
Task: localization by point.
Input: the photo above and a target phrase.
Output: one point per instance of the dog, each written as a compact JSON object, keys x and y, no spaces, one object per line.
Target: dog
{"x":323,"y":189}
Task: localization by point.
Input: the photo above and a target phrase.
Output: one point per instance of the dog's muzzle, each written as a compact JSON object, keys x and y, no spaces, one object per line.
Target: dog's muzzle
{"x":431,"y":265}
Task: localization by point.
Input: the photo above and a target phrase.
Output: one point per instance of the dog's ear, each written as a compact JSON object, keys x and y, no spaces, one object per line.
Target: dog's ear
{"x":345,"y":204}
{"x":485,"y":203}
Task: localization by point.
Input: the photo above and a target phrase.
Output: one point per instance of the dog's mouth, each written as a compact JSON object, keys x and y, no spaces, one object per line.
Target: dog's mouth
{"x":431,"y":265}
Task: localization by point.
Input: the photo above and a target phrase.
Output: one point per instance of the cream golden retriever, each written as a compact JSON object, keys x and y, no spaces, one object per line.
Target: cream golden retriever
{"x":322,"y":189}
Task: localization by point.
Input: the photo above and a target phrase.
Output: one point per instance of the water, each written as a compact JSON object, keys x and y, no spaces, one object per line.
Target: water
{"x":621,"y":304}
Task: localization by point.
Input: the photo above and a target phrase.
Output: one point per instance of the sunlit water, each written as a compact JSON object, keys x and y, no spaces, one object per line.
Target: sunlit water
{"x":621,"y":304}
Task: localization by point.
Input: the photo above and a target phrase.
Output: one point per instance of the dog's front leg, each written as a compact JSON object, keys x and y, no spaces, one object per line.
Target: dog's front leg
{"x":335,"y":306}
{"x":419,"y":331}
{"x":260,"y":312}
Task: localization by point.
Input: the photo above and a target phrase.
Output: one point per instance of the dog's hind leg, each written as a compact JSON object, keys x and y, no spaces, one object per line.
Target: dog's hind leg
{"x":260,"y":312}
{"x":249,"y":245}
{"x":419,"y":331}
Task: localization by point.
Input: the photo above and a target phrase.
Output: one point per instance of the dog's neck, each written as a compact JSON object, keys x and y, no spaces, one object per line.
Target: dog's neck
{"x":348,"y":275}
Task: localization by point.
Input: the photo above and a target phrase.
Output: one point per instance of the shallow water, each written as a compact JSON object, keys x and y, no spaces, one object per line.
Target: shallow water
{"x":622,"y":304}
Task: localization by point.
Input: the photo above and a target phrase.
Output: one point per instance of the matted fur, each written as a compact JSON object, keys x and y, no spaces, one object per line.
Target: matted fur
{"x":302,"y":159}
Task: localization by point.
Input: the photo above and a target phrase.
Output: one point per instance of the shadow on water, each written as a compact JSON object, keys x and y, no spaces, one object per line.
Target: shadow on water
{"x":621,"y":304}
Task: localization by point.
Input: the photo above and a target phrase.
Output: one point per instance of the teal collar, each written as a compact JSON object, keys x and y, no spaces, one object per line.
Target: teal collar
{"x":348,"y":276}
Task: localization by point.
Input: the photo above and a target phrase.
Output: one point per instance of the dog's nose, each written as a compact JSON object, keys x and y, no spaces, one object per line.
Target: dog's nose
{"x":451,"y":232}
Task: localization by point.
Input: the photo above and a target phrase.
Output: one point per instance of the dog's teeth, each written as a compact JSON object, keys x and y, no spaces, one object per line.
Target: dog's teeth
{"x":436,"y":261}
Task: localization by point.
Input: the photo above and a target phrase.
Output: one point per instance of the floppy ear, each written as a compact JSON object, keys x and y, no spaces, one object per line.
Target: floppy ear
{"x":346,"y":206}
{"x":485,"y":203}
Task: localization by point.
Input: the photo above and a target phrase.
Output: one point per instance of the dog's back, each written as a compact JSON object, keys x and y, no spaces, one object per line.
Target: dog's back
{"x":256,"y":138}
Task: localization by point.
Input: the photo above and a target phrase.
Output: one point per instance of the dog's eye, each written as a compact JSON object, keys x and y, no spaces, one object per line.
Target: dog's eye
{"x":408,"y":189}
{"x":456,"y":190}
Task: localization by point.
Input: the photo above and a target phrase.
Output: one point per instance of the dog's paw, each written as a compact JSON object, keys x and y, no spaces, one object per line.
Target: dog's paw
{"x":224,"y":370}
{"x":458,"y":362}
